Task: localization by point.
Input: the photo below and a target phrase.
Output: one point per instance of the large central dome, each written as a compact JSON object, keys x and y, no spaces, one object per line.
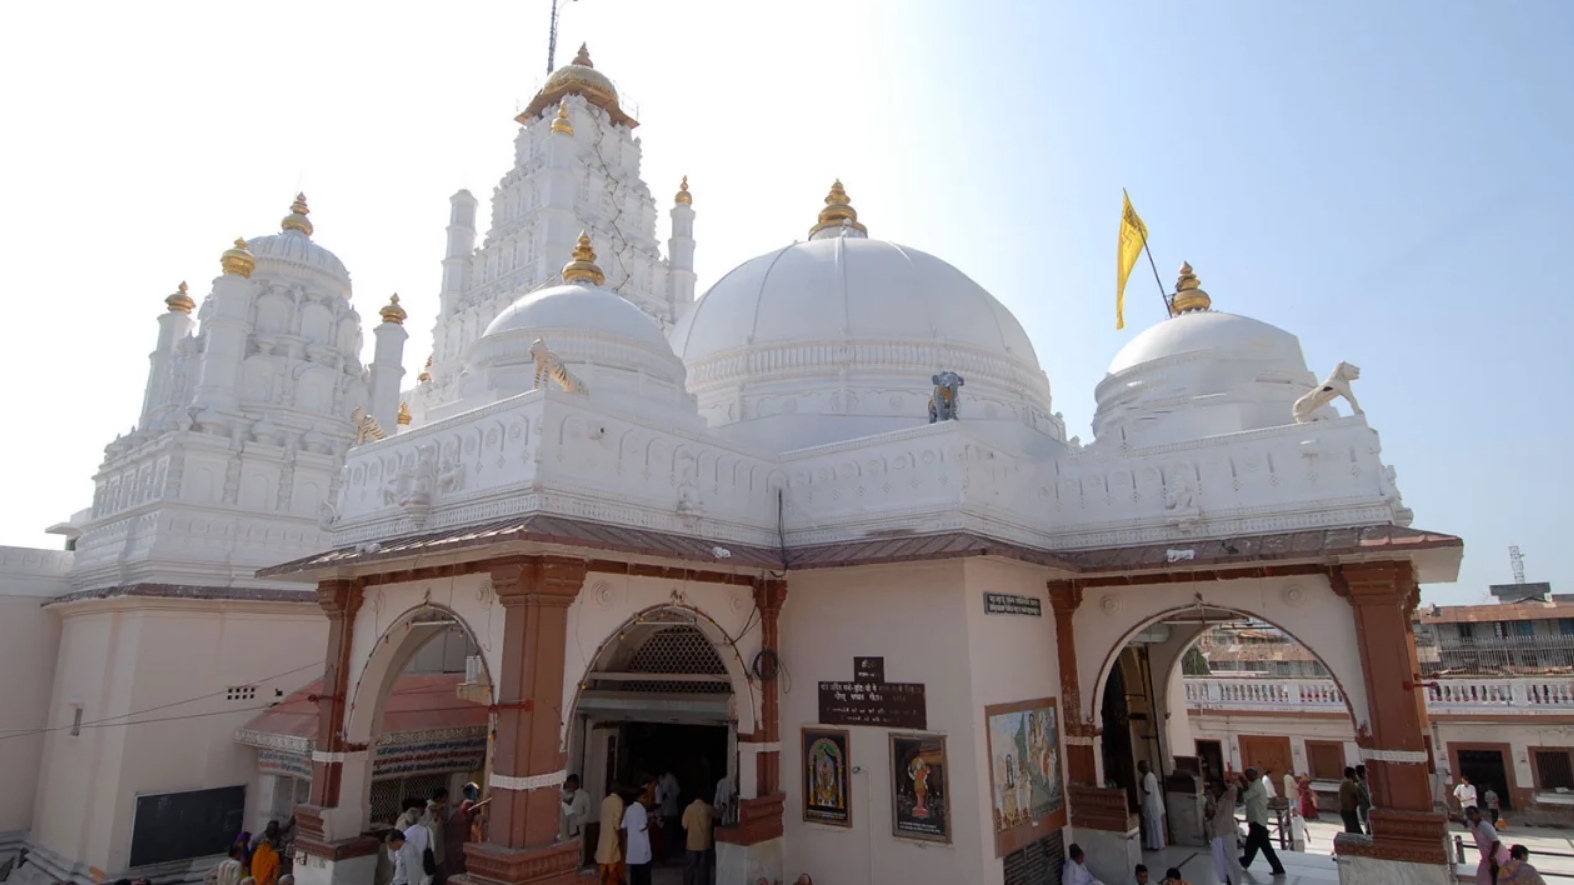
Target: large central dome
{"x":850,"y":330}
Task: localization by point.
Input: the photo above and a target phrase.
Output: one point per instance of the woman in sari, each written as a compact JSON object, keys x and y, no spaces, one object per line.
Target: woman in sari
{"x":243,"y":842}
{"x":1517,"y":869}
{"x":265,"y":863}
{"x":1307,"y":799}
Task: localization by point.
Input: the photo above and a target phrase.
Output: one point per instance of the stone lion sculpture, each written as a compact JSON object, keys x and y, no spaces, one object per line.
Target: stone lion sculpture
{"x":1336,"y":385}
{"x":943,"y":405}
{"x":549,"y":366}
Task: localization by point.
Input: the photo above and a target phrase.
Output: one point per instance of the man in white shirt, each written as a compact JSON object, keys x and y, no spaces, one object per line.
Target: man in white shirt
{"x":636,"y":823}
{"x":1465,"y":795}
{"x":1075,"y":871}
{"x":576,"y":809}
{"x":1152,"y":808}
{"x":418,"y":840}
{"x":1257,"y":839}
{"x":1267,"y":783}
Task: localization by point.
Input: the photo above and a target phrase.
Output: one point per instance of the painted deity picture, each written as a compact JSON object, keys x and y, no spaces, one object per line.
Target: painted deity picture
{"x":920,"y":800}
{"x":825,"y":781}
{"x":1024,"y":757}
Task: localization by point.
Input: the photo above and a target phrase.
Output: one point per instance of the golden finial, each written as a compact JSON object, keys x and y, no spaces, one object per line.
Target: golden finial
{"x":684,"y":196}
{"x":426,"y":372}
{"x":296,"y":220}
{"x":392,"y":312}
{"x":237,"y":260}
{"x":404,"y":415}
{"x":1188,"y":293}
{"x":180,"y":302}
{"x":562,"y":123}
{"x":583,"y":268}
{"x":838,"y":208}
{"x":583,"y":58}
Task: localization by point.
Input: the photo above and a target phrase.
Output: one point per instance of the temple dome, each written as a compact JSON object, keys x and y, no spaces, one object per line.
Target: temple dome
{"x":1197,"y":374}
{"x":609,"y":344}
{"x":578,"y":77}
{"x":293,"y":246}
{"x":851,"y":329}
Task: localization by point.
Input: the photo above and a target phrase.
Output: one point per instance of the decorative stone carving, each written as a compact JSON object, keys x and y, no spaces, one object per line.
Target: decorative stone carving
{"x":1179,"y":501}
{"x":943,"y":404}
{"x":327,"y":515}
{"x":452,"y":476}
{"x":549,"y":366}
{"x":1337,"y":384}
{"x":366,"y":426}
{"x":1294,"y":596}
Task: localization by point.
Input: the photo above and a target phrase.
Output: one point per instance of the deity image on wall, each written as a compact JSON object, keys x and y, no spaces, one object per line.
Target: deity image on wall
{"x":920,"y":801}
{"x":1024,"y":757}
{"x":825,"y":782}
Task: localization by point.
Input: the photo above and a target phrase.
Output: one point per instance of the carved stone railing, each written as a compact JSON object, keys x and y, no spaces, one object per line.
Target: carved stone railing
{"x":1531,"y":696}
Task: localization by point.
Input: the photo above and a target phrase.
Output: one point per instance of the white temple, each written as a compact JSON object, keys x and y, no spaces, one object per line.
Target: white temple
{"x":840,"y":469}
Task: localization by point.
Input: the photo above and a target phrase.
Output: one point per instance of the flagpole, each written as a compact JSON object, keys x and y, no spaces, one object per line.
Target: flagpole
{"x":1168,"y":311}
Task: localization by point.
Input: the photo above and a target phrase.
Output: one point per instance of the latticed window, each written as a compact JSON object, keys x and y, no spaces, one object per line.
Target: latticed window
{"x":1553,"y":770}
{"x":389,"y":794}
{"x":679,"y":649}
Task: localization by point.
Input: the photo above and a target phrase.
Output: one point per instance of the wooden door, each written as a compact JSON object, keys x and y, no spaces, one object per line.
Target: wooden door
{"x":1266,"y":753}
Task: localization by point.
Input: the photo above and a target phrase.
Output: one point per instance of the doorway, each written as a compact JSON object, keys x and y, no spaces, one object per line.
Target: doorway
{"x":1486,"y":769}
{"x":1266,"y":753}
{"x":1212,"y":755}
{"x":622,"y":753}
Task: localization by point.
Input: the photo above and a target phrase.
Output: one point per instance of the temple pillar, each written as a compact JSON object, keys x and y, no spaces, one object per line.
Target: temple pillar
{"x":1409,"y":840}
{"x":1100,"y":820}
{"x":329,"y":847}
{"x":751,"y":849}
{"x":528,"y":761}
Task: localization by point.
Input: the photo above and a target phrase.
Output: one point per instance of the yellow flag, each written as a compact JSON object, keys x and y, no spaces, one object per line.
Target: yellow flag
{"x":1133,"y":235}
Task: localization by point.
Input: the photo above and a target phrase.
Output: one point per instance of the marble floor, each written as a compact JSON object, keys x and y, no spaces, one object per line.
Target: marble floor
{"x":1196,"y":865}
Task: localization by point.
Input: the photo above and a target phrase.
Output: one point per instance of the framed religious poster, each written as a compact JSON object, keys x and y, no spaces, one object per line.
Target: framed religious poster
{"x":920,"y":796}
{"x":1029,"y":799}
{"x":826,"y":785}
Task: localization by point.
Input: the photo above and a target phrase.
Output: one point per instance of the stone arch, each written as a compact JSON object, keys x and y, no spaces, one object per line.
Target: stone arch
{"x":622,"y":646}
{"x":394,"y":649}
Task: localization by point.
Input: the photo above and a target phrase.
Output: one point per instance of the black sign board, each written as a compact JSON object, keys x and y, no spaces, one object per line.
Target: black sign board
{"x":1037,"y":863}
{"x":870,"y":700}
{"x":1010,"y":604}
{"x":180,"y":826}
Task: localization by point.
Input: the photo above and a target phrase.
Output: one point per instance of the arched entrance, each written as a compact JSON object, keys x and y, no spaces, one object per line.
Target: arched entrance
{"x":661,"y":695}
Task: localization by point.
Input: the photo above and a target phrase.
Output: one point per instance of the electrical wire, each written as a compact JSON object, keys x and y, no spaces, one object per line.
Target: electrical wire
{"x":110,"y":720}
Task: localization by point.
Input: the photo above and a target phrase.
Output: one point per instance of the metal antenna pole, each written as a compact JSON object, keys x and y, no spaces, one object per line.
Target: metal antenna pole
{"x":552,"y":41}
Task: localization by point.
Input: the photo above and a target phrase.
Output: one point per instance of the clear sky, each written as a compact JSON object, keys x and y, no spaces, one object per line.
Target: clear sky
{"x":1390,"y":181}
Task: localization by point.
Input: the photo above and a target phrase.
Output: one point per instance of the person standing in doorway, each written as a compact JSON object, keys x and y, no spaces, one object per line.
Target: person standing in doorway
{"x":1465,"y":795}
{"x":1257,"y":838}
{"x":636,"y":831}
{"x":1486,"y":843}
{"x":697,"y":821}
{"x":671,"y":812}
{"x":1152,"y":808}
{"x":575,"y":804}
{"x":1350,"y":802}
{"x":609,"y":846}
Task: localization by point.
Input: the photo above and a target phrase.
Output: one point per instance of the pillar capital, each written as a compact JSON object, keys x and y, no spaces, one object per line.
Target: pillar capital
{"x":1374,"y":583}
{"x":770,"y":594}
{"x":339,"y":597}
{"x":1065,"y":597}
{"x":548,"y":580}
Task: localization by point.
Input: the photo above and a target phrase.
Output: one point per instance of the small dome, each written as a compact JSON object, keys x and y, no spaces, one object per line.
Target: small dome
{"x":1221,"y":334}
{"x":293,"y":245}
{"x":1198,"y":374}
{"x":582,"y":309}
{"x":578,"y":77}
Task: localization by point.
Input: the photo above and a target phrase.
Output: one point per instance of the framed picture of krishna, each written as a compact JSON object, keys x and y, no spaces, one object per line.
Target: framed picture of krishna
{"x":826,"y":784}
{"x":1028,"y":795}
{"x":920,"y":795}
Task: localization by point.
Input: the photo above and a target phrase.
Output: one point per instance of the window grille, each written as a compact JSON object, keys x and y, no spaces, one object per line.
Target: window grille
{"x":1553,"y":770}
{"x":389,"y":794}
{"x":241,"y":693}
{"x":676,"y":649}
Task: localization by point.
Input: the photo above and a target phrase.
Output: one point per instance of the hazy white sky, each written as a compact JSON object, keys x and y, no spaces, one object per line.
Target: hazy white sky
{"x":1392,"y":184}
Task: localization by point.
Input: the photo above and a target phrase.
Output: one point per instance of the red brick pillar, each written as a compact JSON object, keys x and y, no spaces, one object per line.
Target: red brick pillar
{"x":527,"y":768}
{"x":340,"y":601}
{"x":760,"y":815}
{"x":1081,"y":736}
{"x":1382,"y":598}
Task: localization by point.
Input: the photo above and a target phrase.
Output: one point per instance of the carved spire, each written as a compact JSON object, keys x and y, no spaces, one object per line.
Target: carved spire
{"x":180,"y":302}
{"x":392,"y":312}
{"x":838,"y":209}
{"x":237,"y":260}
{"x":562,"y":123}
{"x":296,"y":220}
{"x":1189,"y":296}
{"x":684,"y":196}
{"x":583,"y":268}
{"x":583,"y":58}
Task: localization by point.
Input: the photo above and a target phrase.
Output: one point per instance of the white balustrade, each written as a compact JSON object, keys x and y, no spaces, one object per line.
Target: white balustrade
{"x":1532,"y":696}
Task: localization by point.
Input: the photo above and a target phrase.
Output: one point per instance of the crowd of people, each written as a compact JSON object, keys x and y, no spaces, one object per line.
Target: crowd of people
{"x":265,"y":860}
{"x":427,"y":843}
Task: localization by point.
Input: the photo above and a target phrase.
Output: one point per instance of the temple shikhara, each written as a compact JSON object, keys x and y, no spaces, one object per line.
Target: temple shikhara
{"x":817,"y":536}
